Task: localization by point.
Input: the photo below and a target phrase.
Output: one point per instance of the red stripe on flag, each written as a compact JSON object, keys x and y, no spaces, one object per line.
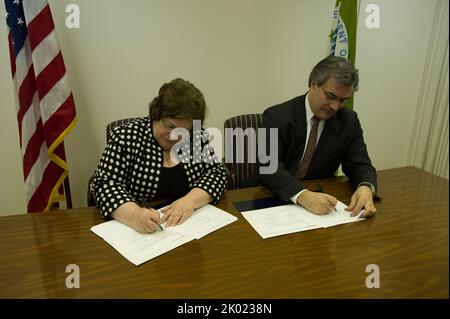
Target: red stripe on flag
{"x":40,"y":27}
{"x":38,"y":202}
{"x":33,"y":148}
{"x":11,"y":54}
{"x":60,"y":120}
{"x":46,"y":178}
{"x":26,"y":93}
{"x":50,"y":75}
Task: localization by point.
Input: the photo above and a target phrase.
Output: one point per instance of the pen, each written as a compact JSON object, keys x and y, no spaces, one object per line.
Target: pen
{"x":145,"y":204}
{"x":159,"y":225}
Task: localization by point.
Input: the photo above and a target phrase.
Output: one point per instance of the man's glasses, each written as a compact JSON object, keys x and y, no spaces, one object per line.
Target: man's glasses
{"x":331,"y":97}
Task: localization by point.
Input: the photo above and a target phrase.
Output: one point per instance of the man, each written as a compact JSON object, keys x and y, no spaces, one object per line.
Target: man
{"x":316,"y":134}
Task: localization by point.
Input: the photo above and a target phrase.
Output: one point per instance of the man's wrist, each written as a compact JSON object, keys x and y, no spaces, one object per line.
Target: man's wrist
{"x":370,"y":185}
{"x":295,"y":198}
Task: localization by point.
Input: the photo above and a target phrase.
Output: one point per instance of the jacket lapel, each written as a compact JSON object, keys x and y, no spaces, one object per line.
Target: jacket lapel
{"x":299,"y":135}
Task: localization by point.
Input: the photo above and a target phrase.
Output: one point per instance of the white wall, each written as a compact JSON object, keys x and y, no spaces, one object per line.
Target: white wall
{"x":244,"y":55}
{"x":391,"y":60}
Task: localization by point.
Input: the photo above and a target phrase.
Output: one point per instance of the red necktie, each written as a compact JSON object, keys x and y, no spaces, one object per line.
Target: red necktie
{"x":312,"y":140}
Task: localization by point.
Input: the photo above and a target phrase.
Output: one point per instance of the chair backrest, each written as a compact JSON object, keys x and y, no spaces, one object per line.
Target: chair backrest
{"x":117,"y":123}
{"x":238,"y":170}
{"x":109,"y":127}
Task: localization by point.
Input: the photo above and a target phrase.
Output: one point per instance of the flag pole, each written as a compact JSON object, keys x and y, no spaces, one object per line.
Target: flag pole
{"x":67,"y":193}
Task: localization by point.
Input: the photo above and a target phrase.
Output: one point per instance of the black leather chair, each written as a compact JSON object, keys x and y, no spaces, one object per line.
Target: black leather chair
{"x":240,"y":168}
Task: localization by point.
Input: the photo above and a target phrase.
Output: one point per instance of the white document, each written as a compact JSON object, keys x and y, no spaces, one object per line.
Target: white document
{"x":203,"y":221}
{"x":139,"y":248}
{"x":287,"y":219}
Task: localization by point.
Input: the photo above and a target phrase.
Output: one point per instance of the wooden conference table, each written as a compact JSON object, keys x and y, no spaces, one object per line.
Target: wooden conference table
{"x":407,"y":240}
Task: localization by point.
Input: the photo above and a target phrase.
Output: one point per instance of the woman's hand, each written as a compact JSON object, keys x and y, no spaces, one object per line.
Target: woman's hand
{"x":142,"y":220}
{"x":145,"y":220}
{"x":177,"y":212}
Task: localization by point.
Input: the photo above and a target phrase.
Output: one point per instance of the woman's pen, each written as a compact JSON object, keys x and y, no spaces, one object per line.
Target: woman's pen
{"x":159,"y":225}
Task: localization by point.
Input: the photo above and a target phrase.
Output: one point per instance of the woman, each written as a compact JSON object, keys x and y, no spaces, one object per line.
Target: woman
{"x":137,"y":165}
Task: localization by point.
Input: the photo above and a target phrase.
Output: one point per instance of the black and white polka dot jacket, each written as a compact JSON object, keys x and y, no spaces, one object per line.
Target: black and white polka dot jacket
{"x":130,"y":167}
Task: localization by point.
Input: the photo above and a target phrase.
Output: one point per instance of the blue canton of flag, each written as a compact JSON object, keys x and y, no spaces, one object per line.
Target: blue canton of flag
{"x":15,"y":19}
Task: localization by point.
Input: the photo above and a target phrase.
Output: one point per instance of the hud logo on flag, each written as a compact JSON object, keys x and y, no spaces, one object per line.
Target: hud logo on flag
{"x":339,"y":37}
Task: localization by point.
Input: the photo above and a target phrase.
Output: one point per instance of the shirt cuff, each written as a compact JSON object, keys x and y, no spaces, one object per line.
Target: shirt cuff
{"x":295,"y":197}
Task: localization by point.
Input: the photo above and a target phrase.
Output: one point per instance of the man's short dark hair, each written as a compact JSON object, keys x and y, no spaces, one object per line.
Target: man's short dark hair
{"x":338,"y":67}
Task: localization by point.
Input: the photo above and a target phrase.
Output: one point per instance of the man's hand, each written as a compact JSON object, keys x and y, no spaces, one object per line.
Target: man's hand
{"x":362,"y":199}
{"x":317,"y":203}
{"x":177,"y":212}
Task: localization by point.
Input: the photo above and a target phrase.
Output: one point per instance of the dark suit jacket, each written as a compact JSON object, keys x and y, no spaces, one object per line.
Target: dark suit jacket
{"x":341,"y":142}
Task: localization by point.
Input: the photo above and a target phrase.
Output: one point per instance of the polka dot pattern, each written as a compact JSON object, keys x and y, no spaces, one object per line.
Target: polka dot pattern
{"x":130,"y":167}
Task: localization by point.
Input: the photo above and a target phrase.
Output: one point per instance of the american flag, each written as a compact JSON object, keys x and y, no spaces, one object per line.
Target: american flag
{"x":45,"y":106}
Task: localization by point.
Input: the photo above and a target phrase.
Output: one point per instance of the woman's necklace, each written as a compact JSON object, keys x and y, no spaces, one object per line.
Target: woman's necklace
{"x":167,"y":161}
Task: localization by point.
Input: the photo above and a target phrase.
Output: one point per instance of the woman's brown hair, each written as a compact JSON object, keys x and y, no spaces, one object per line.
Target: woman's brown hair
{"x":178,"y":99}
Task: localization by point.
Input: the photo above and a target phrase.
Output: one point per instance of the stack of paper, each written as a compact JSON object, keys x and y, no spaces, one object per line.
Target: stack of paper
{"x":280,"y":220}
{"x":139,"y":248}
